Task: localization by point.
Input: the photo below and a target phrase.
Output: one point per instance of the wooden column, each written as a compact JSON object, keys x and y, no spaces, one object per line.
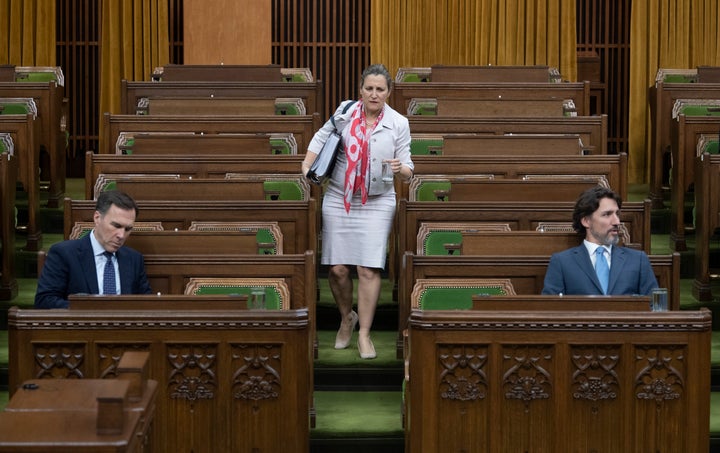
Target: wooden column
{"x":227,"y":31}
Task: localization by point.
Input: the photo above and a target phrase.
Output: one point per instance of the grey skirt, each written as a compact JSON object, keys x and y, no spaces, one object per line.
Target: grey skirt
{"x":359,"y":237}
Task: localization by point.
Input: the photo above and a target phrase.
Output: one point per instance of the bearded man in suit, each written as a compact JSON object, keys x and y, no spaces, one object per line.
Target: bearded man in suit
{"x":573,"y":271}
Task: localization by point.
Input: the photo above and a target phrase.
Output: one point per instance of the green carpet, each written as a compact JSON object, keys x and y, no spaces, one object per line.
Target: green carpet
{"x":326,"y":298}
{"x":384,"y":342}
{"x":715,"y":414}
{"x":360,"y":414}
{"x":4,"y":396}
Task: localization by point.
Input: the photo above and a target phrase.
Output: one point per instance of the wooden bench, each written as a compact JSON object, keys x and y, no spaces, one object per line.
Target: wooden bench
{"x":707,"y":209}
{"x":612,"y":167}
{"x":194,"y":144}
{"x":296,"y":219}
{"x":215,"y":105}
{"x":8,"y":179}
{"x":506,"y":145}
{"x":579,"y":92}
{"x":235,"y":186}
{"x":133,"y":92}
{"x":196,"y":167}
{"x":202,"y":353}
{"x":302,"y":127}
{"x":230,"y":73}
{"x":504,"y":380}
{"x":486,"y":188}
{"x":526,"y":274}
{"x":50,"y":126}
{"x":500,"y":106}
{"x":685,"y":133}
{"x":218,"y":242}
{"x":593,"y":130}
{"x":662,"y":97}
{"x":519,"y":216}
{"x":23,"y":131}
{"x":492,"y":73}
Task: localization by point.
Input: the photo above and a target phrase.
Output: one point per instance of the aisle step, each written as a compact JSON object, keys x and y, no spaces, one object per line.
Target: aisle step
{"x":343,"y":369}
{"x":358,"y":422}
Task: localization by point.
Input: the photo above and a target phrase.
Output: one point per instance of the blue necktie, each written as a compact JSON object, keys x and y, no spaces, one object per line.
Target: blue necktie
{"x":109,"y":275}
{"x":601,"y":268}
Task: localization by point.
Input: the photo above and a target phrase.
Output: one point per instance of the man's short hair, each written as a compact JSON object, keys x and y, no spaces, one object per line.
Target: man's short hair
{"x":588,"y":202}
{"x":115,"y":197}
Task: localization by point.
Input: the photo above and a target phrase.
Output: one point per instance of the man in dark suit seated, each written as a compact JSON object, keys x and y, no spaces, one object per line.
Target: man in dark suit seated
{"x":579,"y":270}
{"x":97,"y":263}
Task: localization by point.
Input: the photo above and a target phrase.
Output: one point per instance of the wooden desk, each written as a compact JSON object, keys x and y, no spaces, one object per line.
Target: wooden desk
{"x":62,"y":415}
{"x":65,"y":432}
{"x":229,"y":379}
{"x":558,"y":381}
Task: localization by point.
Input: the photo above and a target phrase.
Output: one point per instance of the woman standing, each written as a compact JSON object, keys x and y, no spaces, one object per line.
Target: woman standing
{"x":359,"y":203}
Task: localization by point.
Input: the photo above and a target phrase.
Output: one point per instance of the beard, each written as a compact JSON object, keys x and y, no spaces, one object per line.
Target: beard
{"x":607,"y":238}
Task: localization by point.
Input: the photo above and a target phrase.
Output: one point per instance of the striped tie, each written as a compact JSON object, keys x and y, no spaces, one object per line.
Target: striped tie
{"x":109,"y":275}
{"x":601,"y":268}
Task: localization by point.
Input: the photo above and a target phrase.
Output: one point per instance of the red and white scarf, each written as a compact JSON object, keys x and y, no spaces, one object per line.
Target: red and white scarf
{"x":356,"y":152}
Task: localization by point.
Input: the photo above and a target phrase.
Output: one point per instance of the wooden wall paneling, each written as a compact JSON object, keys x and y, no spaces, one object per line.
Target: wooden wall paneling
{"x":227,"y":31}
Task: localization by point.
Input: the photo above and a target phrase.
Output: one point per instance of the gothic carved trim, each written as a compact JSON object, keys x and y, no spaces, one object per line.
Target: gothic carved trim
{"x":59,"y":360}
{"x":525,"y":372}
{"x":257,"y":371}
{"x":193,"y":371}
{"x":463,"y":376}
{"x":661,"y":371}
{"x":595,"y":377}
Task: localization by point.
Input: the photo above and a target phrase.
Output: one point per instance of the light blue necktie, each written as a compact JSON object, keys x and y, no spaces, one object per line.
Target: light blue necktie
{"x":109,"y":275}
{"x":601,"y":268}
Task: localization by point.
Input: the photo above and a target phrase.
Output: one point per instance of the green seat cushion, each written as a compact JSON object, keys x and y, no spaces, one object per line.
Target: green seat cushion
{"x":272,"y":295}
{"x":701,"y":110}
{"x":37,"y":77}
{"x":13,"y":109}
{"x":426,"y":190}
{"x":280,"y":146}
{"x":679,"y":78}
{"x":455,"y":298}
{"x":286,"y":109}
{"x":715,"y":414}
{"x":426,"y":147}
{"x":265,"y":236}
{"x":289,"y":190}
{"x":434,"y":243}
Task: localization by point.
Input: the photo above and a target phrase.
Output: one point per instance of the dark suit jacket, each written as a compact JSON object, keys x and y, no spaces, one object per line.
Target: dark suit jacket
{"x":571,"y":272}
{"x":70,"y":269}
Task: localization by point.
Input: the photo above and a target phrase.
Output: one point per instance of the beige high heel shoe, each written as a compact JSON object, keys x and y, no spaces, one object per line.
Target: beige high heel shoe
{"x":344,"y":333}
{"x":366,"y":348}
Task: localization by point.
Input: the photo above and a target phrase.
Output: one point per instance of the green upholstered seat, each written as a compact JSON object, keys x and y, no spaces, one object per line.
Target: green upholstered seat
{"x":680,"y":78}
{"x":289,"y":106}
{"x":284,"y":190}
{"x":275,"y":291}
{"x":715,"y":415}
{"x":456,"y":294}
{"x":267,"y":234}
{"x":36,"y":77}
{"x":416,"y":74}
{"x":7,"y":145}
{"x":39,"y":74}
{"x":701,"y":110}
{"x":426,"y":146}
{"x":433,"y":191}
{"x":280,"y":146}
{"x":424,"y":106}
{"x":435,"y":242}
{"x":13,"y":109}
{"x":81,"y":229}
